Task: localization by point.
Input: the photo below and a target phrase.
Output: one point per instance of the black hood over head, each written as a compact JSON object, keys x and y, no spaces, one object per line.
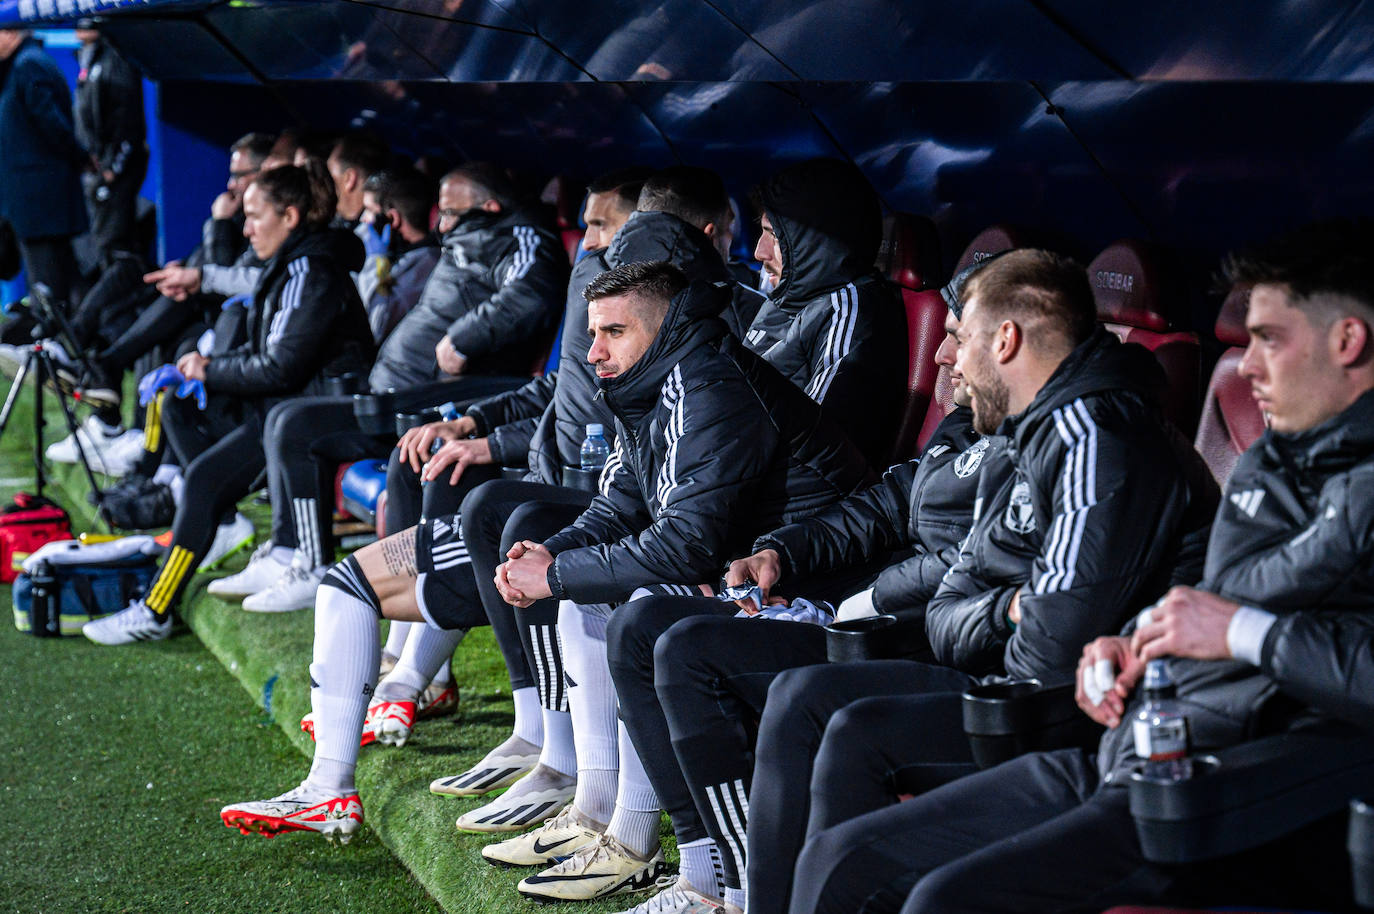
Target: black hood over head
{"x":648,"y":237}
{"x":690,"y":322}
{"x":828,"y":222}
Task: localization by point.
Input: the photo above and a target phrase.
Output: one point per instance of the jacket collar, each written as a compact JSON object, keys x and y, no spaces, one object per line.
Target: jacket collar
{"x":1336,"y":444}
{"x":1099,"y":363}
{"x":689,"y":323}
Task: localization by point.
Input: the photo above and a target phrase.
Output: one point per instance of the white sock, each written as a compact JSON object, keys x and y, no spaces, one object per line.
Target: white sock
{"x":177,"y":485}
{"x":165,"y":473}
{"x":445,"y":674}
{"x":426,"y":650}
{"x":559,"y":752}
{"x":737,"y":897}
{"x":396,"y":637}
{"x":528,"y":724}
{"x":635,"y":821}
{"x":284,"y":555}
{"x":591,"y":701}
{"x":342,"y":674}
{"x":700,"y":866}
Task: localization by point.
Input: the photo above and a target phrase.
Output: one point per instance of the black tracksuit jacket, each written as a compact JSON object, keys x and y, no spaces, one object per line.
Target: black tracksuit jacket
{"x":919,"y":512}
{"x":833,"y":325}
{"x":1107,"y":505}
{"x":713,"y":447}
{"x":1293,"y":536}
{"x":306,"y":324}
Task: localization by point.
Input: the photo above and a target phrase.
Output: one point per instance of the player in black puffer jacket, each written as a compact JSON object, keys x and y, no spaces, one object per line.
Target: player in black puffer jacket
{"x":307,"y":325}
{"x":831,"y":324}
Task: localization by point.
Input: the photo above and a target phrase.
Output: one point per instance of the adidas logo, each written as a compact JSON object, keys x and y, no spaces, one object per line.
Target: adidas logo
{"x":1248,"y":501}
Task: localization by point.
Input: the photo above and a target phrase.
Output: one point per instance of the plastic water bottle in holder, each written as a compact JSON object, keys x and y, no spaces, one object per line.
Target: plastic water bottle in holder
{"x":1160,"y":728}
{"x":595,"y":450}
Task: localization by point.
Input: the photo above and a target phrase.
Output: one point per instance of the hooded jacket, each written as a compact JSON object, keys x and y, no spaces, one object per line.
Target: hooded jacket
{"x":493,"y":293}
{"x":109,"y":108}
{"x":1106,"y":506}
{"x":919,"y":510}
{"x":390,"y":285}
{"x":833,"y":325}
{"x":546,"y":419}
{"x":306,"y":324}
{"x":713,"y":446}
{"x":1294,"y":536}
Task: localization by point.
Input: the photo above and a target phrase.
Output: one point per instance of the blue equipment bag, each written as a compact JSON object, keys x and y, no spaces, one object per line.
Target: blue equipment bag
{"x":55,"y":597}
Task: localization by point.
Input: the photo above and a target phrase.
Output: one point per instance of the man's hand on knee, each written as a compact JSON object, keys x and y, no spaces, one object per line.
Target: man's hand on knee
{"x":460,"y":455}
{"x":415,"y":445}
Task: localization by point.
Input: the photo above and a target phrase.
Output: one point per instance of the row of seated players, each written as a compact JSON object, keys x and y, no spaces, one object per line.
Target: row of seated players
{"x":1068,"y":541}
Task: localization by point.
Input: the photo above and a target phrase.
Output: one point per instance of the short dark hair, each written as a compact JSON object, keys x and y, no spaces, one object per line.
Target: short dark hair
{"x":653,"y":283}
{"x":489,"y":179}
{"x":1034,"y":285}
{"x":256,"y":146}
{"x":406,"y":190}
{"x":363,"y":152}
{"x":695,"y":195}
{"x":1313,"y":262}
{"x":626,"y":182}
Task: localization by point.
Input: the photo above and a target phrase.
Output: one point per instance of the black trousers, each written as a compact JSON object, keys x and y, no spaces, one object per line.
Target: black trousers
{"x":50,"y":261}
{"x":114,"y":219}
{"x":221,"y":452}
{"x":112,"y":304}
{"x":495,"y":516}
{"x":691,"y":688}
{"x":161,"y":323}
{"x":795,"y":793}
{"x":307,"y":439}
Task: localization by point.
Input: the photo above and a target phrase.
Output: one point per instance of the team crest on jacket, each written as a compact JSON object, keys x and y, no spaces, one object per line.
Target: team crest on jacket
{"x":1020,"y":517}
{"x":967,"y":463}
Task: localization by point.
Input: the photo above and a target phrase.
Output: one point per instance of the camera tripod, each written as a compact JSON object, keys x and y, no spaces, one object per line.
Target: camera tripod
{"x":39,"y":364}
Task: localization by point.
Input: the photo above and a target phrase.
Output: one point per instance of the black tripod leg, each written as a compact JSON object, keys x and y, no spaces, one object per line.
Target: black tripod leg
{"x":45,"y":365}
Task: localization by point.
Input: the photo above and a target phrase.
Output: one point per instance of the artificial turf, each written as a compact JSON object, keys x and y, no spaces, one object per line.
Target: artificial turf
{"x":90,"y":728}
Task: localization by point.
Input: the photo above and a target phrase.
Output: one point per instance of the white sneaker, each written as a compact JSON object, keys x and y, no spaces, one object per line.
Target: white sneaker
{"x":679,"y":898}
{"x":126,"y":450}
{"x":229,"y":538}
{"x":14,"y":356}
{"x":604,"y":867}
{"x":292,"y":591}
{"x":558,"y":837}
{"x":537,"y":796}
{"x":262,"y":572}
{"x":501,"y":767}
{"x":96,"y":441}
{"x":134,"y":622}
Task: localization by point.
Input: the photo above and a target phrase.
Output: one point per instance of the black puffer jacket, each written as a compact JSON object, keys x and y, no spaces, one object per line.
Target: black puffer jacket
{"x":832,"y":324}
{"x":1106,"y":507}
{"x":494,"y":293}
{"x":920,"y":509}
{"x":306,"y":324}
{"x":553,"y":440}
{"x":713,"y":447}
{"x":1294,"y":536}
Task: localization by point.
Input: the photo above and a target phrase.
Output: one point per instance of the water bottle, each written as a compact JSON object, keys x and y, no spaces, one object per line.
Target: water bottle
{"x":595,"y":450}
{"x":45,"y":611}
{"x":449,"y":411}
{"x":1160,"y":728}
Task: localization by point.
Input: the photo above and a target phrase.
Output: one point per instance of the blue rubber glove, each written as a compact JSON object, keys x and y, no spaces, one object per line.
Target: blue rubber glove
{"x":155,"y":380}
{"x":235,"y":301}
{"x":375,"y":242}
{"x":192,"y":388}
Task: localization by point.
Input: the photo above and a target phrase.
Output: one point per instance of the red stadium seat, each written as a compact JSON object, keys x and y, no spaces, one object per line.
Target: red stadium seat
{"x":1131,"y":302}
{"x":1230,"y":420}
{"x":991,"y":240}
{"x":910,"y":256}
{"x":572,"y":242}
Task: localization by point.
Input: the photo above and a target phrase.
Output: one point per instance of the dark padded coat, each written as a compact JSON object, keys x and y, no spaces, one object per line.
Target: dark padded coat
{"x":306,"y":324}
{"x":40,"y":157}
{"x":494,"y":293}
{"x":920,"y":510}
{"x":1107,"y":506}
{"x":1294,"y":536}
{"x":713,"y":447}
{"x":833,"y":325}
{"x":109,"y":108}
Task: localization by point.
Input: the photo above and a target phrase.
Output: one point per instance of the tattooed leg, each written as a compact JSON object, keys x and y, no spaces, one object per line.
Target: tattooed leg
{"x":390,"y":568}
